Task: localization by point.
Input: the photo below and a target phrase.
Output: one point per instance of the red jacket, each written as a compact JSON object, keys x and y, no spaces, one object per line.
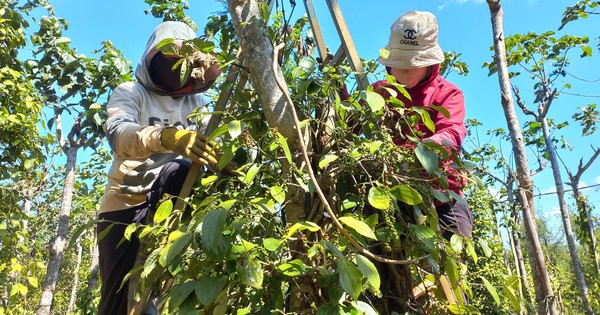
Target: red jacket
{"x":436,"y":90}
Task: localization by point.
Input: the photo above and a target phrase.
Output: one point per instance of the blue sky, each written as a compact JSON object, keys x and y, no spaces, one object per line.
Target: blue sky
{"x":464,"y":27}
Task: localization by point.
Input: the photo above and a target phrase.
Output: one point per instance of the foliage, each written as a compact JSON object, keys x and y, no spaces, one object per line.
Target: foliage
{"x":581,"y":9}
{"x":490,"y":266}
{"x":170,"y":10}
{"x":234,"y":250}
{"x":20,"y":139}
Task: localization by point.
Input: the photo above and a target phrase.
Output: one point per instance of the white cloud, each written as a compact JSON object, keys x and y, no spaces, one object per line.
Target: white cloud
{"x":598,"y":180}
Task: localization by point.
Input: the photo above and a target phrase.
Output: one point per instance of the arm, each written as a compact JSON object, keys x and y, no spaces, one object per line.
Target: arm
{"x":126,"y":137}
{"x":452,"y":129}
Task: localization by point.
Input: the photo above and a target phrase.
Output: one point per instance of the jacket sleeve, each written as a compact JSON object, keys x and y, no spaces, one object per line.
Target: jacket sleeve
{"x":126,"y":137}
{"x":451,"y":129}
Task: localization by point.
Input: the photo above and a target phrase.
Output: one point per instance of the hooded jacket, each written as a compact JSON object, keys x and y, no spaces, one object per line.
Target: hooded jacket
{"x":137,"y":113}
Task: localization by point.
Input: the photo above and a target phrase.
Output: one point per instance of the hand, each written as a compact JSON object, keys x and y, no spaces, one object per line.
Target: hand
{"x":190,"y":144}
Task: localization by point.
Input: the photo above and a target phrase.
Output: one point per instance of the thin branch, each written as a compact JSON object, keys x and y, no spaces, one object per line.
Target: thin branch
{"x":522,"y":104}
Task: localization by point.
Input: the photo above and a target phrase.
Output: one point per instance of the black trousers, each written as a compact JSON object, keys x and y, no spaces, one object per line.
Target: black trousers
{"x":117,"y":261}
{"x":455,"y":218}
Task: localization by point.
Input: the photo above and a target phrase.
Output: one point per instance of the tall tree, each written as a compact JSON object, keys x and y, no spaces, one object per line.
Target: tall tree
{"x":545,"y":300}
{"x":588,"y":235}
{"x":539,"y":51}
{"x":72,"y":85}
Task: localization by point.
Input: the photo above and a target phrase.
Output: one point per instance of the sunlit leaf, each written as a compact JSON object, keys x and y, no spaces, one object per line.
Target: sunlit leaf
{"x":277,"y":193}
{"x":375,"y":101}
{"x":250,"y":272}
{"x":129,"y":230}
{"x":235,"y":128}
{"x":370,"y":272}
{"x":406,"y":194}
{"x":426,"y":236}
{"x":300,"y":226}
{"x":359,"y":226}
{"x":492,"y":290}
{"x":326,"y":159}
{"x":378,"y":198}
{"x":163,"y":211}
{"x":251,"y":174}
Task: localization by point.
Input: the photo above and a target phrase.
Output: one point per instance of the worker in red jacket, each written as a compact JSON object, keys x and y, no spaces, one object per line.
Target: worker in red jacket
{"x":414,"y":60}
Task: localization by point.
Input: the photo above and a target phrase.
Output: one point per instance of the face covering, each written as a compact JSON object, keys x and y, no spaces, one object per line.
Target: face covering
{"x":162,"y":72}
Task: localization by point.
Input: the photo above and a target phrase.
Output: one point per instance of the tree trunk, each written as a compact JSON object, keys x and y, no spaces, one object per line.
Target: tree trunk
{"x":545,"y":299}
{"x":520,"y":262}
{"x":258,"y":54}
{"x":583,"y":208}
{"x":566,"y":217}
{"x":57,"y":247}
{"x":94,"y":269}
{"x":76,"y":279}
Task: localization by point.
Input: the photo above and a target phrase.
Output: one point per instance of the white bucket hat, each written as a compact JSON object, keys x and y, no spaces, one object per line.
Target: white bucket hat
{"x":413,"y":42}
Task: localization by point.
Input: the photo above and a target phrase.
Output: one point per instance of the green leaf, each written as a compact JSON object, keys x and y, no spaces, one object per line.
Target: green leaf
{"x":221,"y":130}
{"x":451,"y":270}
{"x":212,"y":228}
{"x":463,"y":309}
{"x":457,"y":243}
{"x":350,"y":278}
{"x":270,"y":244}
{"x":209,"y":288}
{"x":442,"y":110}
{"x":284,"y":145}
{"x":129,"y":230}
{"x":359,"y":226}
{"x":513,"y":299}
{"x":180,"y":294}
{"x":300,"y":226}
{"x":426,"y":236}
{"x":228,"y":150}
{"x":333,"y":250}
{"x":277,"y":193}
{"x":492,"y":290}
{"x":406,"y":194}
{"x":428,"y":158}
{"x":374,"y":146}
{"x":179,"y":240}
{"x":251,"y":272}
{"x":235,"y":128}
{"x":227,"y":204}
{"x":487,"y":251}
{"x":370,"y":272}
{"x":364,"y":308}
{"x":471,"y":251}
{"x":33,"y":281}
{"x":426,"y":118}
{"x":384,"y":53}
{"x":326,"y":159}
{"x":104,"y":232}
{"x":293,"y":268}
{"x":375,"y":101}
{"x":205,"y":181}
{"x":251,"y":174}
{"x":378,"y":198}
{"x":163,"y":211}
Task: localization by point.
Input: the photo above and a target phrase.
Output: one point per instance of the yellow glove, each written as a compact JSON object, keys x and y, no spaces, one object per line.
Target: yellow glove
{"x":190,"y":144}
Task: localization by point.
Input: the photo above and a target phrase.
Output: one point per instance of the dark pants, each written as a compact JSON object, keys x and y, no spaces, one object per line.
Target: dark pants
{"x":455,"y":219}
{"x":117,"y":261}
